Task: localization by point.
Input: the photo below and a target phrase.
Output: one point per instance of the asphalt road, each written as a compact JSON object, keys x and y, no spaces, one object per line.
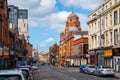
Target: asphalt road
{"x":52,"y":73}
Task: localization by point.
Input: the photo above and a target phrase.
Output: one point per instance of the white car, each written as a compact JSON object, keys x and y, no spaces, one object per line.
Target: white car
{"x":104,"y":70}
{"x":26,"y":72}
{"x":11,"y":75}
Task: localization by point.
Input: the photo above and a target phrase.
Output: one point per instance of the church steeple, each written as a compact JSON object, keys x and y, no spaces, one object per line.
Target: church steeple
{"x":72,"y":21}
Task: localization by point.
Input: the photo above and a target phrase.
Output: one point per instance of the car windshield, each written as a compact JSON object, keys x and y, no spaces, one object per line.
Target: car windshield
{"x":10,"y":77}
{"x":26,"y":72}
{"x":105,"y":67}
{"x":91,"y":66}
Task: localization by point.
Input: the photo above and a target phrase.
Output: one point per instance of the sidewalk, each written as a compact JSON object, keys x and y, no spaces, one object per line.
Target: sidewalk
{"x":117,"y":74}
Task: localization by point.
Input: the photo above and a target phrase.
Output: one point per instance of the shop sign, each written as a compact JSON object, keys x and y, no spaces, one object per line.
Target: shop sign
{"x":107,"y":52}
{"x":92,"y":52}
{"x":5,"y":54}
{"x":116,"y":50}
{"x":87,"y":55}
{"x":11,"y":52}
{"x":1,"y":51}
{"x":99,"y":51}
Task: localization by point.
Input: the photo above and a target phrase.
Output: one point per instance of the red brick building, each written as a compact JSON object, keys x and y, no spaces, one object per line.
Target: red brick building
{"x":4,"y":33}
{"x":54,"y":52}
{"x":70,"y":40}
{"x":29,"y":48}
{"x":12,"y":45}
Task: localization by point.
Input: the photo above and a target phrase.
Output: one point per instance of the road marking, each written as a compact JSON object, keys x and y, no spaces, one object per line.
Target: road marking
{"x":73,"y":78}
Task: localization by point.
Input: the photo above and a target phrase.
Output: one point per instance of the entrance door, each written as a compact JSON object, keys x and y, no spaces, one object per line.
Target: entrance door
{"x":116,"y":63}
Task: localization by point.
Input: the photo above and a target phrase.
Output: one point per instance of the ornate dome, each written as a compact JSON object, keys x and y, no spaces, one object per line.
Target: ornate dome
{"x":73,"y":15}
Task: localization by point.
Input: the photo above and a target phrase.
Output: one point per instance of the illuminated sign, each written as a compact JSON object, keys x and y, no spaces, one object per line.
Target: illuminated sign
{"x":108,"y":53}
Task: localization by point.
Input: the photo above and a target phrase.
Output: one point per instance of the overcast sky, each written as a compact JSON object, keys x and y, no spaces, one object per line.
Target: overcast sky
{"x":46,"y":18}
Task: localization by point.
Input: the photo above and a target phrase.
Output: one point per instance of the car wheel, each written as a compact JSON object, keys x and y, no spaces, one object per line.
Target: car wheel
{"x":113,"y":75}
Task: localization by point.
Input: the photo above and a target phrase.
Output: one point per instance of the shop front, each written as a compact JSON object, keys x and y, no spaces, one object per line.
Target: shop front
{"x":108,"y":58}
{"x":92,"y":57}
{"x":1,"y":51}
{"x":84,"y":59}
{"x":4,"y":59}
{"x":12,"y":59}
{"x":116,"y":59}
{"x":76,"y":60}
{"x":99,"y":58}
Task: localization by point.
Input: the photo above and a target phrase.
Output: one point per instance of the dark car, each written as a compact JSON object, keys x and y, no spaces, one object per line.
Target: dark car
{"x":82,"y":68}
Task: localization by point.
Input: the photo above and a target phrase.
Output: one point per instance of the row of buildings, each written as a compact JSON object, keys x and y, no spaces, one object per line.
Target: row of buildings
{"x":14,"y":43}
{"x":104,"y":34}
{"x":73,"y":46}
{"x":100,"y":45}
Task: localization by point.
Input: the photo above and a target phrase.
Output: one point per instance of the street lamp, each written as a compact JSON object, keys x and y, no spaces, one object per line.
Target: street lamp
{"x":37,"y":44}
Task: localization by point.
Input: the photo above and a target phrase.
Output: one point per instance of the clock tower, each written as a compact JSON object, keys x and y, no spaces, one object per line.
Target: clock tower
{"x":72,"y":21}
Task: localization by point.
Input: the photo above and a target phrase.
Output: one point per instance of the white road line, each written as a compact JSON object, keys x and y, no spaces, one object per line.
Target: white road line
{"x":73,"y":78}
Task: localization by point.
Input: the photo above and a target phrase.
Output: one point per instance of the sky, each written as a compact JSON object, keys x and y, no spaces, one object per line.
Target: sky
{"x":46,"y":18}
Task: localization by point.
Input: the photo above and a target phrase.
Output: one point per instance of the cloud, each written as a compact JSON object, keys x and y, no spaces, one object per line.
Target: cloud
{"x":57,"y":21}
{"x":43,"y":13}
{"x":50,"y":40}
{"x":46,"y":42}
{"x":37,"y":8}
{"x":85,"y":4}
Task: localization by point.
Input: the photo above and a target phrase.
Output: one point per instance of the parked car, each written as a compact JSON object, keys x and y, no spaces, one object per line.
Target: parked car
{"x":34,"y":66}
{"x":26,"y":72}
{"x":11,"y":75}
{"x":27,"y":66}
{"x":82,"y":68}
{"x":89,"y":69}
{"x":104,"y":70}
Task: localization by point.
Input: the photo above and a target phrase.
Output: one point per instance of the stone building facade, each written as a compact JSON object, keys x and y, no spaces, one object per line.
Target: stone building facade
{"x":104,"y":31}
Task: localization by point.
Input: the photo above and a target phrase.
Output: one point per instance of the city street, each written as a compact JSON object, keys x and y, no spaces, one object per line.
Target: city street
{"x":59,"y":39}
{"x":52,"y":73}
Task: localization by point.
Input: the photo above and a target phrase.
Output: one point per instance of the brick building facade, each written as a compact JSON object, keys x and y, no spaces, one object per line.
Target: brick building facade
{"x":69,"y":39}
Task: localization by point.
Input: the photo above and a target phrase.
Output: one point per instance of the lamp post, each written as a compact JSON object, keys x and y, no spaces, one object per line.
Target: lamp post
{"x":37,"y":44}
